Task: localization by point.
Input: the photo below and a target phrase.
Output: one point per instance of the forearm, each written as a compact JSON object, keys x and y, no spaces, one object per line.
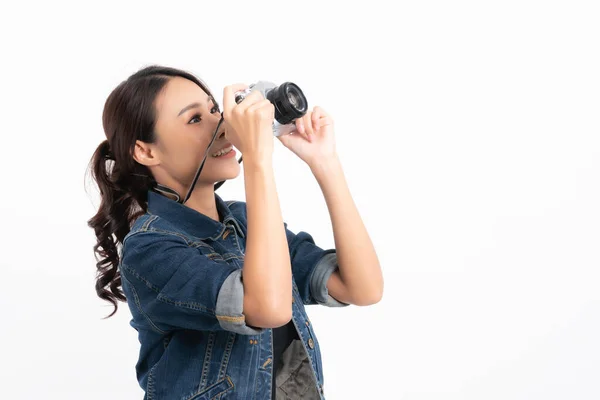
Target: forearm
{"x":359,"y":268}
{"x":267,"y":272}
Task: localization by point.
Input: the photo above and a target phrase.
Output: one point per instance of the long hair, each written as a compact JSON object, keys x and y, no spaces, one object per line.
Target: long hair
{"x":129,"y":115}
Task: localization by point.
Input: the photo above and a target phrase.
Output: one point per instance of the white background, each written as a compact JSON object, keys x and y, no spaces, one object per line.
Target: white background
{"x":469,"y":133}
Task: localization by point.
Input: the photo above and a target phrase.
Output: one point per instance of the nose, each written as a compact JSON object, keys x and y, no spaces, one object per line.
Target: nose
{"x":216,"y":121}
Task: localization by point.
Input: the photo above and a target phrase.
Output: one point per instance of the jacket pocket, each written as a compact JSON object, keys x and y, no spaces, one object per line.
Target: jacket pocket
{"x":213,"y":390}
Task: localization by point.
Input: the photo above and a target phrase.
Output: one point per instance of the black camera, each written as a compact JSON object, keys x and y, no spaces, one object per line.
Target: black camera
{"x":288,"y":99}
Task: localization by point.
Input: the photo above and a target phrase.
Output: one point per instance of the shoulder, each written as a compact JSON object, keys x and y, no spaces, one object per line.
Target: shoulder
{"x":154,"y":249}
{"x":238,"y":209}
{"x":150,"y":228}
{"x":236,"y":206}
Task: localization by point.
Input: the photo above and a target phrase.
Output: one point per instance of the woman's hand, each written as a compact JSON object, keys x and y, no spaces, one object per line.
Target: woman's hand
{"x":249,"y":125}
{"x":313,"y":140}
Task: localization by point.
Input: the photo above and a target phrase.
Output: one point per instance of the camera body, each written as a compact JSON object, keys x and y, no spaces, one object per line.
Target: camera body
{"x":288,"y":100}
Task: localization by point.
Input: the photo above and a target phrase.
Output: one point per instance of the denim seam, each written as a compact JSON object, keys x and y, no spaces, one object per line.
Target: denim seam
{"x":238,"y":246}
{"x":226,"y":354}
{"x":180,"y":235}
{"x":151,"y":230}
{"x":207,"y":358}
{"x":150,"y":385}
{"x":139,"y":277}
{"x":166,"y":299}
{"x":201,"y":244}
{"x":147,"y":228}
{"x":186,"y":239}
{"x":192,"y":305}
{"x":206,"y":390}
{"x":146,"y":224}
{"x":215,"y":255}
{"x":139,"y":306}
{"x":229,"y":318}
{"x":229,"y":203}
{"x":236,"y":225}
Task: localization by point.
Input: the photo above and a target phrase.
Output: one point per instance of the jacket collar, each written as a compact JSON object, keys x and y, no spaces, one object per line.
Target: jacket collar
{"x":192,"y":221}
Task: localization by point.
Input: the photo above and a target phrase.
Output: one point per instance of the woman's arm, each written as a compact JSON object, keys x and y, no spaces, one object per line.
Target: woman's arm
{"x":267,"y":269}
{"x":359,"y":279}
{"x":267,"y":272}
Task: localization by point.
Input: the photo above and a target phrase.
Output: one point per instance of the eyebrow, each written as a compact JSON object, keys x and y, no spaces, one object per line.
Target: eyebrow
{"x":193,"y":105}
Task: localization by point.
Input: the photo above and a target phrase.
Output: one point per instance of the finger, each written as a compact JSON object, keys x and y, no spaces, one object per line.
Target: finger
{"x":264,"y":103}
{"x":300,"y":126}
{"x":301,"y":129}
{"x":229,"y":95}
{"x":316,"y":115}
{"x":308,"y":126}
{"x":325,"y":120}
{"x":319,"y":110}
{"x":253,"y":98}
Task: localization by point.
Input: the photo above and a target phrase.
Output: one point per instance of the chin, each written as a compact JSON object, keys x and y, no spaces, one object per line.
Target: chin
{"x":231,"y":172}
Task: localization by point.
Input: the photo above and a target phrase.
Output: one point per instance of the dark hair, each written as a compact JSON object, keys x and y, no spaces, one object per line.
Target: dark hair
{"x":129,"y":115}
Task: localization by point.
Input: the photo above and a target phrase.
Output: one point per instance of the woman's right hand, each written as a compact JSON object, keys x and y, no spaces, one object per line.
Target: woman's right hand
{"x":249,"y":125}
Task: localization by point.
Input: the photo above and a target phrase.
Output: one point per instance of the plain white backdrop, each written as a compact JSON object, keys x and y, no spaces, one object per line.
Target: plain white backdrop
{"x":469,"y":132}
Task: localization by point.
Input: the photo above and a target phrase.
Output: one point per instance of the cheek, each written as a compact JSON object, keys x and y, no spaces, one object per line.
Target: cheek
{"x":185,"y":154}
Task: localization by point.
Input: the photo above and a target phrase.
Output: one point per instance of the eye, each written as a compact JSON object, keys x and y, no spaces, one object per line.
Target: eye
{"x":195,"y":117}
{"x":215,"y":109}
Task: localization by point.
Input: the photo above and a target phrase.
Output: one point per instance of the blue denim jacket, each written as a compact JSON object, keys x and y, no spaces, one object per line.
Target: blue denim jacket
{"x":182,"y":276}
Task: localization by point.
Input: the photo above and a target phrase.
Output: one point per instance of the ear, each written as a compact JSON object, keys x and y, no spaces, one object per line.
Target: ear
{"x":145,"y":154}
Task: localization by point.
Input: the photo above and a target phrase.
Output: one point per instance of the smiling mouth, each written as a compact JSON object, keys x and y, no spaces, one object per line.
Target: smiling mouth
{"x":222,"y":152}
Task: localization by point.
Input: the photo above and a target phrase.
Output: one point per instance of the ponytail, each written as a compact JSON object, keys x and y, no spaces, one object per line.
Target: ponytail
{"x":118,"y":209}
{"x":129,"y":115}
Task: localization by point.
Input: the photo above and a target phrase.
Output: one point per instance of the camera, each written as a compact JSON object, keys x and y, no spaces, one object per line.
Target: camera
{"x":288,"y":100}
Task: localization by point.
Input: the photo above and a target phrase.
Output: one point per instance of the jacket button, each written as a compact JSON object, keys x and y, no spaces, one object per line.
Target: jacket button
{"x":311,"y":343}
{"x":306,"y":323}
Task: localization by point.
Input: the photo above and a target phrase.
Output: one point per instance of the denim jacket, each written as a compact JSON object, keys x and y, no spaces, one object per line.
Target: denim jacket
{"x":182,"y":276}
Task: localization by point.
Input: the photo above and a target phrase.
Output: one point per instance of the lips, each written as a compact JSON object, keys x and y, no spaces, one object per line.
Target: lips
{"x":223,"y":151}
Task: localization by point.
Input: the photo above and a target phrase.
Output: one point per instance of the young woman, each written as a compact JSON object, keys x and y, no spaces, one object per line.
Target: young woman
{"x":217,"y":289}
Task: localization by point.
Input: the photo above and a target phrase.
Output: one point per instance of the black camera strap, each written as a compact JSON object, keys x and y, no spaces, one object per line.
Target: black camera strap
{"x":191,"y":188}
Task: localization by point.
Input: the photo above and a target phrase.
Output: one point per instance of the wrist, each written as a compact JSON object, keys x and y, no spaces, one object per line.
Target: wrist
{"x":325,"y":166}
{"x":257,"y":161}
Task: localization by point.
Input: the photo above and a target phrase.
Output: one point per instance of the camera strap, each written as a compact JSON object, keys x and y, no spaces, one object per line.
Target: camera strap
{"x":218,"y":184}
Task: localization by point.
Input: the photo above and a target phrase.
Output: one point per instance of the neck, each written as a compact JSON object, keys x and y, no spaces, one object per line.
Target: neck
{"x":202,"y":198}
{"x":203,"y":201}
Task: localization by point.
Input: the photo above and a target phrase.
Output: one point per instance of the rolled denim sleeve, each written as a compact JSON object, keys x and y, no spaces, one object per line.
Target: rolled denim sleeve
{"x":173,"y":285}
{"x":312,"y":267}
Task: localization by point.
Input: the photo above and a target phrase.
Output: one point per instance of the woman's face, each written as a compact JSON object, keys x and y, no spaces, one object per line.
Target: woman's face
{"x":186,"y":120}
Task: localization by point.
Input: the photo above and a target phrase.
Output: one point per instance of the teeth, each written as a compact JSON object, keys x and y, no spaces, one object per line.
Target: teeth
{"x":222,"y":152}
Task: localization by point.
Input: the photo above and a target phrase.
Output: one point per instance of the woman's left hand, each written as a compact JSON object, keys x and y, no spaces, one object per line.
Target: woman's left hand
{"x":313,"y":139}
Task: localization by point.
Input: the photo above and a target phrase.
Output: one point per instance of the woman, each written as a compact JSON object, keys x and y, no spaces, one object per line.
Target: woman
{"x":217,"y":289}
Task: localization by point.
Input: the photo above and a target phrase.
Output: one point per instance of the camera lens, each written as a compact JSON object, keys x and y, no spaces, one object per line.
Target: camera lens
{"x":293,"y":98}
{"x":289,"y":101}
